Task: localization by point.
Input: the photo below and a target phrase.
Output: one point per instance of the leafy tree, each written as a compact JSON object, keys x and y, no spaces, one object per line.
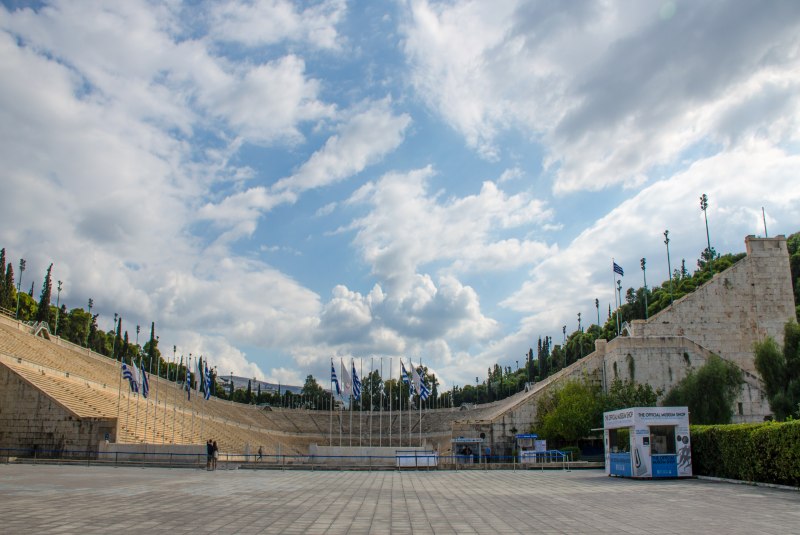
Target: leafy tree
{"x":312,"y":388}
{"x":569,"y":412}
{"x":2,"y":278}
{"x":43,"y":312}
{"x":709,"y":391}
{"x":249,"y":396}
{"x":27,"y":307}
{"x":780,"y":371}
{"x":622,"y":394}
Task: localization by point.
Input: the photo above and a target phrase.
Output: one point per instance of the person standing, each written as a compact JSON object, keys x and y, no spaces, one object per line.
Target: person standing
{"x":209,"y":454}
{"x":215,"y":455}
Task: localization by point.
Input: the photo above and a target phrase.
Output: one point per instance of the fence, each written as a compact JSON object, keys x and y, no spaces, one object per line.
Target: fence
{"x":401,"y":460}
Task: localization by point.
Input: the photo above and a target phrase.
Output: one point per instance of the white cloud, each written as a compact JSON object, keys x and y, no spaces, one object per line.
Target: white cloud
{"x":611,"y":90}
{"x":408,"y":228}
{"x":267,"y":22}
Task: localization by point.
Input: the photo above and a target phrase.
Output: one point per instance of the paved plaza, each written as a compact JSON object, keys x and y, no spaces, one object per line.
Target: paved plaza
{"x":101,"y":499}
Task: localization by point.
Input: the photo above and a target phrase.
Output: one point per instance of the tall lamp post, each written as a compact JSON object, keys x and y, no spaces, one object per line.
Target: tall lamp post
{"x":114,"y":344}
{"x":669,"y":264}
{"x":19,"y":283}
{"x":58,"y":306}
{"x":564,"y":332}
{"x":704,"y":208}
{"x":89,"y":323}
{"x":597,"y":306}
{"x":644,"y":274}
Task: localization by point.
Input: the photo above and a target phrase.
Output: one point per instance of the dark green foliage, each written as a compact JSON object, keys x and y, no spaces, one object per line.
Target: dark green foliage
{"x":43,"y":311}
{"x":623,"y":394}
{"x":9,"y":292}
{"x":569,"y":412}
{"x":780,"y":371}
{"x":766,"y":453}
{"x":709,"y":392}
{"x":793,"y":245}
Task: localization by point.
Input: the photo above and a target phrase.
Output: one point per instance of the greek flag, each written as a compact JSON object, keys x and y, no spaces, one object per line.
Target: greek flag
{"x":208,"y":381}
{"x":406,"y":380}
{"x":188,"y":382}
{"x":419,"y":383}
{"x":335,"y":380}
{"x":145,"y":382}
{"x":618,"y":269}
{"x":356,"y":381}
{"x":127,"y":373}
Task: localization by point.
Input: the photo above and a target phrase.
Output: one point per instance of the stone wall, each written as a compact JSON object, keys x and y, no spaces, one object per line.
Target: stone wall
{"x":32,"y":420}
{"x":738,"y":307}
{"x":726,"y":316}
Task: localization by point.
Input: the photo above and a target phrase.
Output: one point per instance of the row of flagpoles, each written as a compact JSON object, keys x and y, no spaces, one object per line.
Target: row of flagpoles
{"x":350,"y":387}
{"x":139,"y":384}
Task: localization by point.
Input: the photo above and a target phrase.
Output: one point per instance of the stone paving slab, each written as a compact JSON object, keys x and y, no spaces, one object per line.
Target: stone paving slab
{"x":101,"y":499}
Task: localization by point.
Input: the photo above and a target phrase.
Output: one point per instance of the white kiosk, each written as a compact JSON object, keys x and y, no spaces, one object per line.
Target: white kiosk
{"x":648,"y":442}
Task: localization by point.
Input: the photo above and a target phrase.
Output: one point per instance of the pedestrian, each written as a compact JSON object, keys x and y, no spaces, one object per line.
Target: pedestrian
{"x":215,"y":455}
{"x":209,"y":454}
{"x":260,"y":452}
{"x":488,"y":454}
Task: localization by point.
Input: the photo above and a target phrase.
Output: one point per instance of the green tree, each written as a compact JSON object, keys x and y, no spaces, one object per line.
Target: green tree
{"x":570,"y":412}
{"x":312,"y":389}
{"x":43,"y":311}
{"x":780,"y":371}
{"x":3,"y":279}
{"x":622,"y":394}
{"x":709,"y":391}
{"x":9,"y":291}
{"x":27,"y":307}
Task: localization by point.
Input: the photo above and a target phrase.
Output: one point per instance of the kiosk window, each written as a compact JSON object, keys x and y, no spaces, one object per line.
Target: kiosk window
{"x":619,"y":440}
{"x":662,"y":439}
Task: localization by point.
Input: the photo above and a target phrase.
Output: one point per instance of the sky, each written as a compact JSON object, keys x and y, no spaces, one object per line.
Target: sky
{"x":277,"y":184}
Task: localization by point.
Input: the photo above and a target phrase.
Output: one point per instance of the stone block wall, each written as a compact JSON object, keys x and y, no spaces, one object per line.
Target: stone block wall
{"x":738,"y":307}
{"x":32,"y":420}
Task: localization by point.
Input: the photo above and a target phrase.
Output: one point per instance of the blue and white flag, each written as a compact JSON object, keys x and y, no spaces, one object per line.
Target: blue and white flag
{"x":335,"y":380}
{"x":188,"y":385}
{"x":128,"y":373}
{"x":419,"y":383}
{"x":618,"y":269}
{"x":356,"y":381}
{"x":404,"y":377}
{"x":145,"y":382}
{"x":208,"y":381}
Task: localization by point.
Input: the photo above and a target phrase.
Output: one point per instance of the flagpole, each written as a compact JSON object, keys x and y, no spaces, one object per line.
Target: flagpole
{"x":119,"y":399}
{"x":175,"y":404}
{"x":400,"y":408}
{"x":360,"y":406}
{"x":155,"y":409}
{"x":614,"y":289}
{"x":330,"y":411}
{"x":390,"y":402}
{"x":128,"y":402}
{"x":136,"y":418}
{"x":146,"y":406}
{"x":371,"y":369}
{"x":164,"y":421}
{"x":189,"y":387}
{"x":420,"y":402}
{"x":380,"y":413}
{"x":201,"y":381}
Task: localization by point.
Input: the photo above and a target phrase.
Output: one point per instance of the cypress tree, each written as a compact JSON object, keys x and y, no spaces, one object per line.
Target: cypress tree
{"x":43,"y":314}
{"x":2,"y":278}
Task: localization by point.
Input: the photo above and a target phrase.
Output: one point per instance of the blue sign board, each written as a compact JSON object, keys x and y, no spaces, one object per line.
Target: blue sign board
{"x":620,"y":464}
{"x":664,"y":465}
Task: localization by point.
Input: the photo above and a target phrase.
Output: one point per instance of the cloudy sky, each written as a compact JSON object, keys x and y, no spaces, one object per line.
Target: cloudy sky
{"x":277,"y":183}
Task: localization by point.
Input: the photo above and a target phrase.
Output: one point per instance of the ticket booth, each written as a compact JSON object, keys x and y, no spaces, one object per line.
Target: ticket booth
{"x":467,"y":450}
{"x":530,"y":449}
{"x":647,"y":442}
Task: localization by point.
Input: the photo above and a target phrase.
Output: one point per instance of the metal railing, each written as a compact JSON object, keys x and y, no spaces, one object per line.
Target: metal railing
{"x":402,"y":460}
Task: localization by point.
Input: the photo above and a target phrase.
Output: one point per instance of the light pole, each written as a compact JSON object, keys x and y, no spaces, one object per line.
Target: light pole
{"x":477,"y":399}
{"x":644,"y":274}
{"x":138,"y":328}
{"x":619,"y":295}
{"x":669,"y":264}
{"x":58,"y":305}
{"x":564,"y":332}
{"x":579,"y":323}
{"x":597,"y":306}
{"x":19,"y":284}
{"x":89,"y":322}
{"x":114,"y":344}
{"x":704,"y":208}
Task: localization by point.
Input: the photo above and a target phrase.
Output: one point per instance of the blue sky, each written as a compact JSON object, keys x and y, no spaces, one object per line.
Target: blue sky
{"x":280,"y":183}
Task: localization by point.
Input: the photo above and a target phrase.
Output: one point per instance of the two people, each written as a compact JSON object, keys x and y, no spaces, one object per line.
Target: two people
{"x":212,"y":454}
